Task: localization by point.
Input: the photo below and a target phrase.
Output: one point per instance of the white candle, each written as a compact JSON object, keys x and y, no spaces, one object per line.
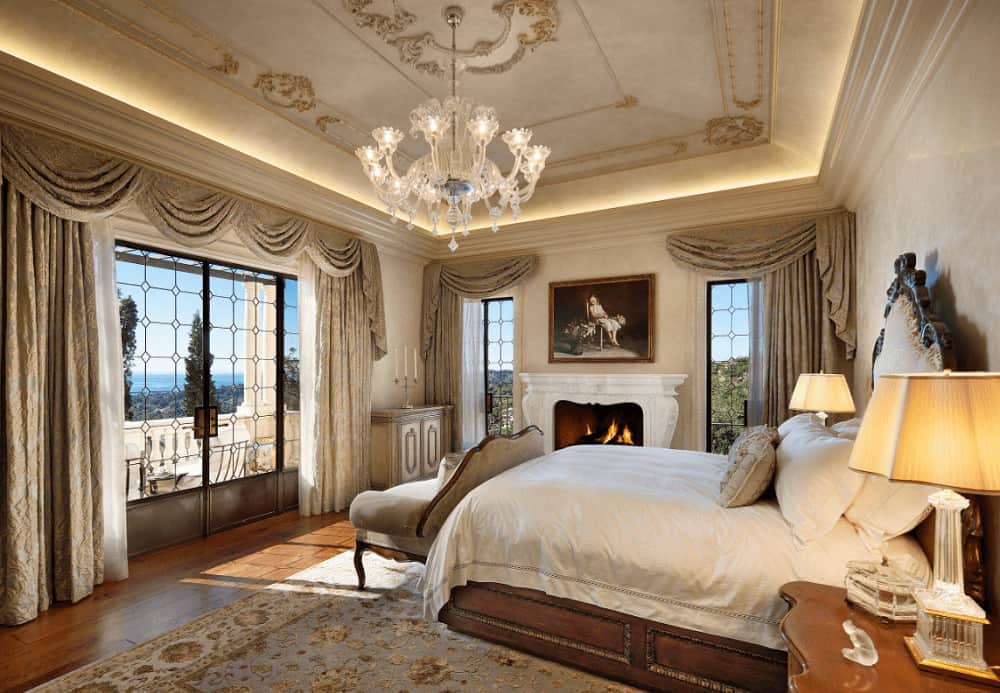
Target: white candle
{"x":414,"y":364}
{"x":406,"y":368}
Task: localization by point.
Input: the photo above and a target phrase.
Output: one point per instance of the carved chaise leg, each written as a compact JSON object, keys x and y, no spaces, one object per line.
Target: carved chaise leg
{"x":359,"y":567}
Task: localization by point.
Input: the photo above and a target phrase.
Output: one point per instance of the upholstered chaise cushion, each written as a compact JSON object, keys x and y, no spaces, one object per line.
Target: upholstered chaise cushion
{"x":394,"y":511}
{"x":751,"y":467}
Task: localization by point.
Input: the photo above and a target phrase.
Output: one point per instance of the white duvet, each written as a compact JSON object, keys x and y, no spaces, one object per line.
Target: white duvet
{"x":640,"y":531}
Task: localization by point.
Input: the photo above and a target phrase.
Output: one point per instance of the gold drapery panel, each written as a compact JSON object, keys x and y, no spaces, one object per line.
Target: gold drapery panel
{"x":51,"y":517}
{"x":79,"y":183}
{"x":793,"y":328}
{"x":755,"y":251}
{"x":441,"y":337}
{"x":343,"y":393}
{"x":808,"y":268}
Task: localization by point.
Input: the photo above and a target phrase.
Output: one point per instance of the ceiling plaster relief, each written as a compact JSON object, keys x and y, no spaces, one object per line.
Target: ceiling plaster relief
{"x":228,"y":66}
{"x":184,"y":41}
{"x":287,"y":90}
{"x":541,"y":16}
{"x":293,"y":96}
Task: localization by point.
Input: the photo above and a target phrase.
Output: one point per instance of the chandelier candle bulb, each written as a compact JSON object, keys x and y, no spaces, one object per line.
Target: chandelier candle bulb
{"x":462,"y":174}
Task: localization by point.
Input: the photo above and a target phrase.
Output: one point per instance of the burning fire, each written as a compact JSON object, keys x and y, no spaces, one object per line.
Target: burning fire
{"x":615,"y":434}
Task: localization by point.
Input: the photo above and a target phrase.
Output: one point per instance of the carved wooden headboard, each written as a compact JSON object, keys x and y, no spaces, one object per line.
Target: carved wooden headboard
{"x":914,"y":339}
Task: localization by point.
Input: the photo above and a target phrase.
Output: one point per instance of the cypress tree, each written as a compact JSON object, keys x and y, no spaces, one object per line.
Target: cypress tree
{"x":193,"y":381}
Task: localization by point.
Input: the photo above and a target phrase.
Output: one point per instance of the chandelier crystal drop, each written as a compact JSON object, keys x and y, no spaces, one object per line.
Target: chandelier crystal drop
{"x":456,"y":173}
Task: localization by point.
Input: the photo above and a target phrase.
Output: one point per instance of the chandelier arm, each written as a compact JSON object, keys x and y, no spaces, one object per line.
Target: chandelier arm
{"x":512,"y":176}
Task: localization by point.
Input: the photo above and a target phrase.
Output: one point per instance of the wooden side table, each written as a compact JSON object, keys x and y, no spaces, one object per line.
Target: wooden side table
{"x":812,"y":629}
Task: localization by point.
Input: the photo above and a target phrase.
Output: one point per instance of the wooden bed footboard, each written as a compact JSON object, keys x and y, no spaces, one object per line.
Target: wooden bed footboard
{"x":643,"y":653}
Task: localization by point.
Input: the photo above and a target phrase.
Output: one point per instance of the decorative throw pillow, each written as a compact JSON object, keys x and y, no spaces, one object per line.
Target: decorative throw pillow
{"x":886,"y":509}
{"x":751,"y":467}
{"x":847,"y":429}
{"x":813,"y":483}
{"x":449,"y":463}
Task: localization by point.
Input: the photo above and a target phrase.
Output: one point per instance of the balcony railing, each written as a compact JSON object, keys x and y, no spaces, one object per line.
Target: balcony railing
{"x":162,"y":456}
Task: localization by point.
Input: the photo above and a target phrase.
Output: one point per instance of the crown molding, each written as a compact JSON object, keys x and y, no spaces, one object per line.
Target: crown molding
{"x":611,"y":228}
{"x":897,"y":47}
{"x":40,"y":99}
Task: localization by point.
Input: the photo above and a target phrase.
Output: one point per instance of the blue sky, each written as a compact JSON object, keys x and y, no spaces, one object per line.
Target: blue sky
{"x":730,"y":313}
{"x":175,"y":295}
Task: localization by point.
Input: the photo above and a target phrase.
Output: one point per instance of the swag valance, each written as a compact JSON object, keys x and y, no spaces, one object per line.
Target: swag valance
{"x":82,"y":184}
{"x":757,"y":251}
{"x":441,"y":336}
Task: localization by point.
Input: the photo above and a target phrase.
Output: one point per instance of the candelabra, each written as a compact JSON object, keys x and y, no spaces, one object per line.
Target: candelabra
{"x":405,"y":381}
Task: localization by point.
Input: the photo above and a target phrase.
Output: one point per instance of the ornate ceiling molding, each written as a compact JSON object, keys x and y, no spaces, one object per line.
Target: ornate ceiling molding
{"x":543,"y":23}
{"x":731,"y":131}
{"x":288,"y":91}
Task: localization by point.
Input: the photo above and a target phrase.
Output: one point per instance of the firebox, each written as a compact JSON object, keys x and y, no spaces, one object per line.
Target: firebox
{"x":597,"y":424}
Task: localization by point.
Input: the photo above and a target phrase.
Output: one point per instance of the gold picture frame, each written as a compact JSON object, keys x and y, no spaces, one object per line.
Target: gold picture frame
{"x":603,"y":320}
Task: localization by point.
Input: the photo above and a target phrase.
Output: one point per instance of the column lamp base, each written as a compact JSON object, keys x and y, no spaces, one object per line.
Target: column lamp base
{"x":987,"y":676}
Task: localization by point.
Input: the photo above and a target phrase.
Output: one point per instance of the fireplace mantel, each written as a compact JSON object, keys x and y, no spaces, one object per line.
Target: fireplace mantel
{"x":656,"y":393}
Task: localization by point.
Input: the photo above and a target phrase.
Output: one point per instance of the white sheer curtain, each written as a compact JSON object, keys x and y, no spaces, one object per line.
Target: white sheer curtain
{"x":112,"y":403}
{"x":307,"y":379}
{"x":755,"y":400}
{"x":473,"y":375}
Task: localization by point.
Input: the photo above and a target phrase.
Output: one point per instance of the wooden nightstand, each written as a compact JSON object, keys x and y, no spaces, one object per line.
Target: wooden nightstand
{"x":812,"y":629}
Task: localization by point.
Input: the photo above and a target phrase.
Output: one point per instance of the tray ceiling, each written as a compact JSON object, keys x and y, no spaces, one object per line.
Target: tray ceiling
{"x":639,"y":100}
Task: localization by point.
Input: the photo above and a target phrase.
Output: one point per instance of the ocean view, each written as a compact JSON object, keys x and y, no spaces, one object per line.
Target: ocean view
{"x":164,"y":382}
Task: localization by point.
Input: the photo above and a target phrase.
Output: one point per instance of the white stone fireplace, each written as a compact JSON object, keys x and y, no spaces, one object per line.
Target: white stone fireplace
{"x":655,"y":393}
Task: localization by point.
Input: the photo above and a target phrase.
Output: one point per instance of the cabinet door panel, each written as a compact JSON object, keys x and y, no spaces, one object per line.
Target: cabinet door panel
{"x":433,"y":449}
{"x":409,"y":451}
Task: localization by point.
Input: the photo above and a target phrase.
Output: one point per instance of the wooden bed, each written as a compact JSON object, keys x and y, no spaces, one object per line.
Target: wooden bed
{"x":658,"y":656}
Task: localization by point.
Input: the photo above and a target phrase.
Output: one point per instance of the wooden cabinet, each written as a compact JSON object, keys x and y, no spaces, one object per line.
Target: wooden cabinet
{"x":408,"y":444}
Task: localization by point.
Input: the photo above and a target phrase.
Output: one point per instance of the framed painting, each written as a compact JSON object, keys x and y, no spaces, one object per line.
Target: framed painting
{"x":609,"y":320}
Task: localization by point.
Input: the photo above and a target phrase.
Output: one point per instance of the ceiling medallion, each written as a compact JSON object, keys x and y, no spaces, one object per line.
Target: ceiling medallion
{"x":542,"y":14}
{"x":732,"y":130}
{"x":456,"y":173}
{"x":287,"y":90}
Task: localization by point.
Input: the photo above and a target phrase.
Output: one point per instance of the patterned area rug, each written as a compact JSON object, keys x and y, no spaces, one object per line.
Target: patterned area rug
{"x":315,"y":632}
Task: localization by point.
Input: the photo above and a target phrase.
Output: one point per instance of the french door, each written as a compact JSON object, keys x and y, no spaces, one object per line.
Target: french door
{"x":210,"y":364}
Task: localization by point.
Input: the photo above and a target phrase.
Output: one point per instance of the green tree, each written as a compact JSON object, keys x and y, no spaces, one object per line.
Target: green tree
{"x":128,"y":316}
{"x":730,"y":388}
{"x":291,"y":392}
{"x":193,"y":381}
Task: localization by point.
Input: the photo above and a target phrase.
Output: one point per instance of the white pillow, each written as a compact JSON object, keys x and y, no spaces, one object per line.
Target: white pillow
{"x":885,"y":509}
{"x":847,"y":429}
{"x":797,"y":422}
{"x":813,"y":483}
{"x":447,"y":466}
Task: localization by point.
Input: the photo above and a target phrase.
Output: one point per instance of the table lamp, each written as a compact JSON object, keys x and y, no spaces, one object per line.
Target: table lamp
{"x":941,"y":429}
{"x":823,"y":393}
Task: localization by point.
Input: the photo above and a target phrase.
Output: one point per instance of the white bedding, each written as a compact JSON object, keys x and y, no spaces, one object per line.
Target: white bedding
{"x":640,"y":531}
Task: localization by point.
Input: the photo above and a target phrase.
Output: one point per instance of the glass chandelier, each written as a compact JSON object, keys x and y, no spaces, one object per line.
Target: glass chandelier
{"x":456,"y":173}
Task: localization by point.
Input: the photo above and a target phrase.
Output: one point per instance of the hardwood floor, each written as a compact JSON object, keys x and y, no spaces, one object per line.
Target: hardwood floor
{"x":167,"y":589}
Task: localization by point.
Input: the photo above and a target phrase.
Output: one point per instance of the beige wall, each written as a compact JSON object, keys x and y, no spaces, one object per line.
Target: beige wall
{"x":938,"y":194}
{"x":402,"y":285}
{"x":680,"y":309}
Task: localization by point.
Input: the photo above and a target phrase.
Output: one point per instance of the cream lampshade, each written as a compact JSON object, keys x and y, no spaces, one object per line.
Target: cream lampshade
{"x":823,"y":393}
{"x":941,"y":429}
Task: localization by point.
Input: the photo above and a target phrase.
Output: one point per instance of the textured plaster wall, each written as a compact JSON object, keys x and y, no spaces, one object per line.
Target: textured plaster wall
{"x":938,"y":194}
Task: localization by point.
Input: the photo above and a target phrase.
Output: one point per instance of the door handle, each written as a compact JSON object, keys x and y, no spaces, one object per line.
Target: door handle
{"x":206,"y":417}
{"x":489,"y":401}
